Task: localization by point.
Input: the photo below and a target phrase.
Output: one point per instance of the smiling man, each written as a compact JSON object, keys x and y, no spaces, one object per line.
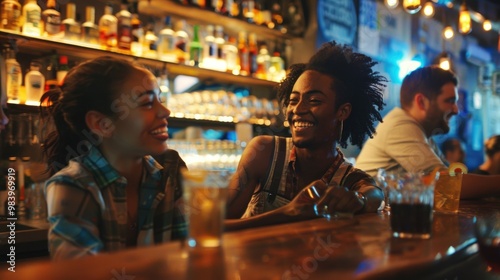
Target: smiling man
{"x":403,"y":140}
{"x":334,"y":98}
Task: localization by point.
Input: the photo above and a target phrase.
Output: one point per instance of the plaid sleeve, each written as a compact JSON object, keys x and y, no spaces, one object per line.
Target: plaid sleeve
{"x":179,"y":224}
{"x":73,"y":218}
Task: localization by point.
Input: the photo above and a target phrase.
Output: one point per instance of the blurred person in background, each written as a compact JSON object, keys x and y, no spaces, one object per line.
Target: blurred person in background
{"x":453,"y":150}
{"x":492,"y":164}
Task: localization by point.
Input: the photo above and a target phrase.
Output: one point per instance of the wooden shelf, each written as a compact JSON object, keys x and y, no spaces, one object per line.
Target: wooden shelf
{"x":163,"y":8}
{"x":40,"y":46}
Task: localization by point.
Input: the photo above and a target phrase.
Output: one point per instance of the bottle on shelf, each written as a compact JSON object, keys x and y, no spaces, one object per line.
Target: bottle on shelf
{"x":32,"y":14}
{"x":108,"y":25}
{"x":166,"y":45}
{"x":51,"y":72}
{"x":181,"y":42}
{"x":149,"y":48}
{"x":137,"y":33}
{"x":209,"y":48}
{"x":198,"y":3}
{"x":243,"y":54}
{"x":219,"y":42}
{"x":14,"y":74}
{"x":253,"y":51}
{"x":10,"y":15}
{"x":213,"y":5}
{"x":258,"y":16}
{"x":263,"y":63}
{"x":276,"y":15}
{"x":277,"y":67}
{"x":124,"y":36}
{"x":227,"y":8}
{"x":52,"y":21}
{"x":195,"y":48}
{"x":248,"y":7}
{"x":34,"y":82}
{"x":72,"y":28}
{"x":63,"y":69}
{"x":231,"y":55}
{"x":90,"y":30}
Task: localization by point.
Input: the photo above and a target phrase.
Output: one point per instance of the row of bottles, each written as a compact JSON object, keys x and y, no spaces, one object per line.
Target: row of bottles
{"x":286,"y":16}
{"x":201,"y":46}
{"x":35,"y":82}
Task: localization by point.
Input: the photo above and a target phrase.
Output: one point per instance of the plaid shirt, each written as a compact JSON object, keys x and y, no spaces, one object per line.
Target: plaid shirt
{"x":87,"y":205}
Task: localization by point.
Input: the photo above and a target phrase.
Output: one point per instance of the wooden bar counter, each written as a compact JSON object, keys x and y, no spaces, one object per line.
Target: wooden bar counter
{"x":358,"y":248}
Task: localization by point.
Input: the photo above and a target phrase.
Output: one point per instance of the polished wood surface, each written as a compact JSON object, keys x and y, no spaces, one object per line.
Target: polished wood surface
{"x":358,"y":248}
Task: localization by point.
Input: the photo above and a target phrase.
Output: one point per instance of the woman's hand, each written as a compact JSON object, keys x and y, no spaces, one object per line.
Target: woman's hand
{"x":340,"y":199}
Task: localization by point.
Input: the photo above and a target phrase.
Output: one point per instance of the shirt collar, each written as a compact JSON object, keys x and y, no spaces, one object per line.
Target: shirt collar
{"x":105,"y":174}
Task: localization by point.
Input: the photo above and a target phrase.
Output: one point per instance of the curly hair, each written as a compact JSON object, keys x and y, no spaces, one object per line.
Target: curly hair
{"x":355,"y":82}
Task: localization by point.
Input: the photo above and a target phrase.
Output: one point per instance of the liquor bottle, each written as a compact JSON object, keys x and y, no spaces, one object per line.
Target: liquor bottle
{"x":124,"y":36}
{"x":252,"y":53}
{"x":107,"y":28}
{"x":181,"y":42}
{"x":63,"y":69}
{"x":213,"y":5}
{"x":277,"y":67}
{"x":10,"y":15}
{"x":34,"y":82}
{"x":14,"y":75}
{"x":32,"y":14}
{"x":90,"y":30}
{"x":209,"y":48}
{"x":236,"y":9}
{"x":137,"y":33}
{"x":248,"y":7}
{"x":72,"y":29}
{"x":293,"y":17}
{"x":195,"y":49}
{"x":166,"y":45}
{"x":219,"y":42}
{"x":231,"y":55}
{"x":263,"y":63}
{"x":149,"y":47}
{"x":50,"y":72}
{"x":276,"y":15}
{"x":243,"y":54}
{"x":52,"y":20}
{"x":227,"y":8}
{"x":258,"y":17}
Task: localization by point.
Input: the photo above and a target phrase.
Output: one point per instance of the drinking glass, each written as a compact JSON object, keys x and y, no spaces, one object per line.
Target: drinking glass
{"x":205,"y":195}
{"x":332,"y":214}
{"x":383,"y":179}
{"x":447,"y":192}
{"x":412,"y":197}
{"x":487,"y":229}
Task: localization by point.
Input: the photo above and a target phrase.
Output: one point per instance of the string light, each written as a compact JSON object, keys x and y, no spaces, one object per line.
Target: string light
{"x":412,"y":6}
{"x":448,"y":32}
{"x":391,"y":4}
{"x":464,"y":20}
{"x":428,"y":9}
{"x":487,"y":25}
{"x":444,"y":62}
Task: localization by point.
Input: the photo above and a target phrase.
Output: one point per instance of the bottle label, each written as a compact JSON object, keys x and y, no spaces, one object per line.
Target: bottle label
{"x":72,"y":31}
{"x":124,"y":34}
{"x":53,"y":24}
{"x":13,"y":81}
{"x":10,"y":15}
{"x":33,"y":16}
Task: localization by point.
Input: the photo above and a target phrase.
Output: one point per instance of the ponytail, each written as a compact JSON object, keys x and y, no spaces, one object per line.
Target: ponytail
{"x":59,"y":140}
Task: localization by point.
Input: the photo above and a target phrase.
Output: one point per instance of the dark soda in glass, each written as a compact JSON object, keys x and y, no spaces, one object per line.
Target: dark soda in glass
{"x":411,"y":220}
{"x":489,"y":248}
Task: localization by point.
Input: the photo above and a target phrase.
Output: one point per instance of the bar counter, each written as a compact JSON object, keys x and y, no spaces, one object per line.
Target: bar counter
{"x":358,"y":248}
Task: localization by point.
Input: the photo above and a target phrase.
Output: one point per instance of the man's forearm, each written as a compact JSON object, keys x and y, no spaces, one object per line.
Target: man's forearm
{"x":477,"y":186}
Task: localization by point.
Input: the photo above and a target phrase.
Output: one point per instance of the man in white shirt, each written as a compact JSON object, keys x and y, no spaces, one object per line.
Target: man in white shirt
{"x":403,"y":140}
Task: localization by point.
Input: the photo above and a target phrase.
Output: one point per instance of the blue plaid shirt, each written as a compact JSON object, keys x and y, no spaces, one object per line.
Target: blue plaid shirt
{"x":87,"y":205}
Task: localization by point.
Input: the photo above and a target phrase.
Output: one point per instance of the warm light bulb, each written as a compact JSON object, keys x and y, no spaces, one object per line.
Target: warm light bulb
{"x":448,"y":32}
{"x":487,"y":25}
{"x":464,"y":21}
{"x":412,"y":6}
{"x":444,"y":63}
{"x":391,"y":4}
{"x":428,"y":9}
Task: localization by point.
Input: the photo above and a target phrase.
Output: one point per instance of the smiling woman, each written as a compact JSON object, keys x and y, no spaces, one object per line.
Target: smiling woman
{"x":335,"y":97}
{"x":107,"y":192}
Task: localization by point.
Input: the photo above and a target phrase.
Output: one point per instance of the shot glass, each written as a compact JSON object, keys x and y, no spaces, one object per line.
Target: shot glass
{"x":205,"y":195}
{"x":487,"y":229}
{"x":412,"y":198}
{"x":447,"y":192}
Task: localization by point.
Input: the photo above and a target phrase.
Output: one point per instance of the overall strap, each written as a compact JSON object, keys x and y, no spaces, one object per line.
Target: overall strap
{"x":278,"y":170}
